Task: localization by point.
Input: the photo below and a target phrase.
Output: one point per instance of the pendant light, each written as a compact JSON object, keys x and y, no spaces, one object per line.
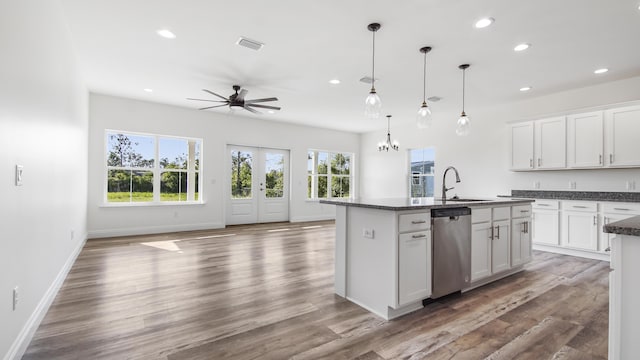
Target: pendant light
{"x":423,"y":119}
{"x":386,"y":145}
{"x":463,"y":122}
{"x":373,"y":103}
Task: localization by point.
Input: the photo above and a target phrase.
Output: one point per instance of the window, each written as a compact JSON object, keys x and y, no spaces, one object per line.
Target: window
{"x":145,"y":168}
{"x":421,"y":167}
{"x":329,"y":175}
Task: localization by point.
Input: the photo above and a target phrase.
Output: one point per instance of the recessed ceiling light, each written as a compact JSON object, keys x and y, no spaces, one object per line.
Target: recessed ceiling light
{"x":148,"y":90}
{"x":601,"y":71}
{"x":521,"y":47}
{"x":483,"y":23}
{"x":526,"y":88}
{"x":334,"y":81}
{"x":167,"y":34}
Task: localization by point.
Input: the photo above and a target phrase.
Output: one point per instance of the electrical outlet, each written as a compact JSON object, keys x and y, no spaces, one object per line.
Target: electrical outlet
{"x":572,"y":185}
{"x":536,"y":184}
{"x":15,"y":298}
{"x":368,"y":233}
{"x":19,"y":170}
{"x":628,"y":185}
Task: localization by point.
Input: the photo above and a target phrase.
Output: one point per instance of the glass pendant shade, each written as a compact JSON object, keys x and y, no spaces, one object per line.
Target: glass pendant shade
{"x":464,"y":125}
{"x":373,"y":105}
{"x":423,"y":119}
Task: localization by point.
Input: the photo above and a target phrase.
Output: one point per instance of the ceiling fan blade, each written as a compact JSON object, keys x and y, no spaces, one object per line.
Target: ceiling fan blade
{"x":253,"y":111}
{"x":264,"y":106}
{"x":208,"y":100}
{"x":241,"y":95}
{"x":211,"y":107}
{"x":260,"y":100}
{"x":212,"y":93}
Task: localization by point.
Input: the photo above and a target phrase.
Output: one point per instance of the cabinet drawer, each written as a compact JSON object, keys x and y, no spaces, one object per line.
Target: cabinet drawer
{"x":621,"y":208}
{"x":480,"y":215}
{"x":520,"y":211}
{"x":546,"y":204}
{"x":501,"y":213}
{"x":580,"y":206}
{"x":414,"y":222}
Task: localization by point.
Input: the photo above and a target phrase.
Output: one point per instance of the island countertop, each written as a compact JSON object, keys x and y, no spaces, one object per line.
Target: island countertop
{"x":398,"y":204}
{"x":630,"y":226}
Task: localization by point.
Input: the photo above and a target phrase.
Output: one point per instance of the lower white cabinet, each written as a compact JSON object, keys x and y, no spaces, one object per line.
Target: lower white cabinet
{"x":520,"y":241}
{"x":480,"y":250}
{"x":501,"y":245}
{"x":414,"y":270}
{"x":490,"y":242}
{"x":545,"y":224}
{"x":580,"y":225}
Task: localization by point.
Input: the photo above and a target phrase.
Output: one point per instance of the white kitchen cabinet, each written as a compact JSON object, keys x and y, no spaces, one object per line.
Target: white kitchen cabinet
{"x":520,"y":235}
{"x":545,"y":223}
{"x":414,"y":273}
{"x":490,"y":244}
{"x":585,"y":134}
{"x":550,"y":143}
{"x":622,"y":129}
{"x":522,"y":146}
{"x":580,"y":225}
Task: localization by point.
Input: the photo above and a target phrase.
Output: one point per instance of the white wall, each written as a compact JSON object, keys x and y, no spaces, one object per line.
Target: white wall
{"x":482,"y":157}
{"x":43,"y":126}
{"x":217,"y":130}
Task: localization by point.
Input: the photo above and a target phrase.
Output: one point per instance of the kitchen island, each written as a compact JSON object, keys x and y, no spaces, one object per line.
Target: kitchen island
{"x":383,"y":250}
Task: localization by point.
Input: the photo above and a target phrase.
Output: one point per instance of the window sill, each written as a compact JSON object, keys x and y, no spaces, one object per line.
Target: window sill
{"x":150,"y":204}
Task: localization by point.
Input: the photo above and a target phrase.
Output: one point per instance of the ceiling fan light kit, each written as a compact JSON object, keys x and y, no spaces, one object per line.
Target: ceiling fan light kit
{"x":373,"y":105}
{"x":388,"y":144}
{"x":237,"y":101}
{"x":423,"y":119}
{"x":464,"y":124}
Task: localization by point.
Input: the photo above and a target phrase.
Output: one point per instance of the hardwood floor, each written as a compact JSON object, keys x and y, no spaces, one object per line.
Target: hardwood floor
{"x":266,"y":292}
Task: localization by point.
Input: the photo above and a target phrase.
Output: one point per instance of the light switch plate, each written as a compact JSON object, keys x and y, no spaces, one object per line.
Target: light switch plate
{"x":368,"y":233}
{"x":19,"y":175}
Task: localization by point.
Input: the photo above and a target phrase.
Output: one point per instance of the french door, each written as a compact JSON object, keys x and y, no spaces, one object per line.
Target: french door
{"x":257,"y":185}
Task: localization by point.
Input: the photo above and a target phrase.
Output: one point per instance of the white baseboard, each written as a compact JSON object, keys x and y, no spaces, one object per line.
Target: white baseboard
{"x":579,"y":253}
{"x":152,"y":230}
{"x":19,"y":346}
{"x":294,"y":219}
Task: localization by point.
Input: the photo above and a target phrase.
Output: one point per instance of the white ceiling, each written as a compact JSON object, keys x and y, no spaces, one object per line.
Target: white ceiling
{"x":310,"y":42}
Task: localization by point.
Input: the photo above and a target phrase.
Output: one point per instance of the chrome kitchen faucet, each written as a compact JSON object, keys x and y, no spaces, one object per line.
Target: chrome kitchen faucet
{"x":444,"y":184}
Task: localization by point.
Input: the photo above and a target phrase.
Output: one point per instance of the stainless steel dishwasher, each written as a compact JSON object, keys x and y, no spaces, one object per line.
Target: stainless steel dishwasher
{"x":451,"y":250}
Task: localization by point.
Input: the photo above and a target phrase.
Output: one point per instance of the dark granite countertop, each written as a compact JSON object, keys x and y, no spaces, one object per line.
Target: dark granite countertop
{"x":577,"y":195}
{"x":396,"y":204}
{"x":630,"y":226}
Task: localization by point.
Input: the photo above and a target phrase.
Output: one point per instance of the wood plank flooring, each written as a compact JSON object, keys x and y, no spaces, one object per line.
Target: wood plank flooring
{"x":266,"y":292}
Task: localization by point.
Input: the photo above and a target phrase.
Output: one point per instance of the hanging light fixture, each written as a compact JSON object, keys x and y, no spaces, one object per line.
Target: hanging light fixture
{"x":423,"y":119}
{"x":386,"y":145}
{"x":463,"y":122}
{"x":373,"y":103}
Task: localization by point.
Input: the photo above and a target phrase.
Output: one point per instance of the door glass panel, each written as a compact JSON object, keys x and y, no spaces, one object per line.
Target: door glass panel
{"x":241,"y":164}
{"x":274,"y":175}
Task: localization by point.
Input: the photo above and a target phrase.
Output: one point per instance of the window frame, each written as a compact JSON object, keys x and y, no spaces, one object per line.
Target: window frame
{"x":156,"y":170}
{"x":329,"y":175}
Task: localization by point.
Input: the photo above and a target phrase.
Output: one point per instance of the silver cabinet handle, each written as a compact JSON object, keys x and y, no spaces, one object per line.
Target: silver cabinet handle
{"x":579,"y":206}
{"x":543,"y":205}
{"x":600,"y":159}
{"x":531,"y":163}
{"x":608,"y":249}
{"x":524,"y":211}
{"x":491,"y":236}
{"x":622,"y":209}
{"x":416,"y":222}
{"x":498,"y":232}
{"x":595,"y":220}
{"x":419,"y":236}
{"x":610,"y":158}
{"x":527,"y":226}
{"x":539,"y":162}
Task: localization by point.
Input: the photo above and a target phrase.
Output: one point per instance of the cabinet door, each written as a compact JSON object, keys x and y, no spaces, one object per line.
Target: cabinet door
{"x":501,"y":245}
{"x":522,"y":146}
{"x":585,"y":134}
{"x":623,"y":127}
{"x":580,"y":230}
{"x":480,"y":251}
{"x":414,"y":270}
{"x":545,"y":227}
{"x":520,"y":241}
{"x":550,"y":145}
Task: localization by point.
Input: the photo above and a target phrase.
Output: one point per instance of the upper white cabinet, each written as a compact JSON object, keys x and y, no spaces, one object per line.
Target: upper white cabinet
{"x":539,"y":144}
{"x":522,"y":146}
{"x":578,"y":141}
{"x":623,"y":128}
{"x":585,"y":140}
{"x":550,"y":143}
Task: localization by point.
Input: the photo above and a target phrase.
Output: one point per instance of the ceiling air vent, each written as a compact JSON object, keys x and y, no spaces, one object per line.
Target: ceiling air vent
{"x":434,"y":98}
{"x":367,"y":79}
{"x":251,"y":44}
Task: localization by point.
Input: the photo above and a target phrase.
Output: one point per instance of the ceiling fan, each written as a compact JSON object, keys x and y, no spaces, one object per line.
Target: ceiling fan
{"x":237,"y":100}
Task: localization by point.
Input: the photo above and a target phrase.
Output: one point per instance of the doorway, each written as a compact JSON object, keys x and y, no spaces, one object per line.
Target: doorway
{"x":257,"y":185}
